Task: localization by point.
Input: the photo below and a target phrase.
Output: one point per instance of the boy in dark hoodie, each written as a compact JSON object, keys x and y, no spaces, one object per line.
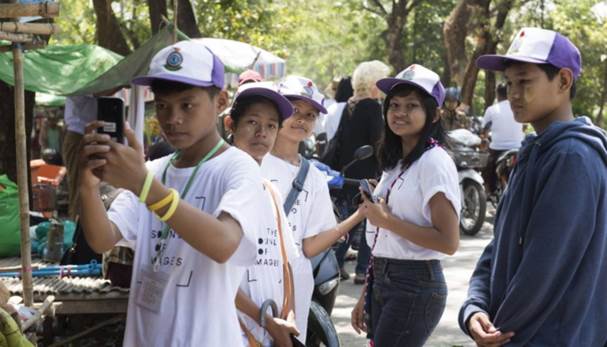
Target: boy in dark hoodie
{"x":542,"y":281}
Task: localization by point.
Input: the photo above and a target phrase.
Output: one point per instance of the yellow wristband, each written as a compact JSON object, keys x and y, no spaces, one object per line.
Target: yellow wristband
{"x":147,"y":184}
{"x":173,"y":208}
{"x":162,"y":203}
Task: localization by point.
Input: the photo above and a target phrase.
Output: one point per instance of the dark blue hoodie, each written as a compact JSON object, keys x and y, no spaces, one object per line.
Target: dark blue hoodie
{"x":544,"y":275}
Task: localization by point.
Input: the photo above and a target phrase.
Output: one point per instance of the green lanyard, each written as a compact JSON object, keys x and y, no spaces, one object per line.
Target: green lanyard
{"x":162,"y":244}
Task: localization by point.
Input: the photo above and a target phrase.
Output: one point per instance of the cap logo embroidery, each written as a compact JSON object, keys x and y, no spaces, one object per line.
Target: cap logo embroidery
{"x":516,"y":44}
{"x":408,"y":75}
{"x":174,"y":61}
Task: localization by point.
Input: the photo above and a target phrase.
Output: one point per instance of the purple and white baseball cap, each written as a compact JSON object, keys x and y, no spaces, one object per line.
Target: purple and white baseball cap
{"x":188,"y":62}
{"x":301,"y":88}
{"x":267,"y":90}
{"x":537,"y":46}
{"x":418,"y":76}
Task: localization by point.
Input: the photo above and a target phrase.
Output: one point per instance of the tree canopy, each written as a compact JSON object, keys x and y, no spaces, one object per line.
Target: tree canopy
{"x":324,"y":39}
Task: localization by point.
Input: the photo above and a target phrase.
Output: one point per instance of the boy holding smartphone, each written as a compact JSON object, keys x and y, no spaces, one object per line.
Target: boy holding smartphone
{"x":191,"y":215}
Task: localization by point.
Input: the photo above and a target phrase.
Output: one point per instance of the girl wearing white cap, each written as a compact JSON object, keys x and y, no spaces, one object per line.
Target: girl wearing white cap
{"x":415,"y":221}
{"x":311,"y":215}
{"x":255,"y":117}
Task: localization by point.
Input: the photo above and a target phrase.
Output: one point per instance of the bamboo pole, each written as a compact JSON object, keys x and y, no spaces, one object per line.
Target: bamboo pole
{"x":22,"y":183}
{"x":15,"y":37}
{"x":175,"y":23}
{"x":44,"y":9}
{"x":29,"y":28}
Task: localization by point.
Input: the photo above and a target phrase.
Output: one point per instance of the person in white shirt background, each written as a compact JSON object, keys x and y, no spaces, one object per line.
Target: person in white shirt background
{"x":414,"y":222}
{"x":191,"y":216}
{"x":311,"y":217}
{"x":256,"y":114}
{"x":506,"y":134}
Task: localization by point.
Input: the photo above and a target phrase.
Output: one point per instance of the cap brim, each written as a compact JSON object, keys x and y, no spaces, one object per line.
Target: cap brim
{"x":320,"y":108}
{"x":149,"y":79}
{"x":498,"y":62}
{"x":387,"y":84}
{"x":284,"y":106}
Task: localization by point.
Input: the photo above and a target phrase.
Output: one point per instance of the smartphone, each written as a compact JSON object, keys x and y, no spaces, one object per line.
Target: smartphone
{"x":111,"y":111}
{"x":368,"y":190}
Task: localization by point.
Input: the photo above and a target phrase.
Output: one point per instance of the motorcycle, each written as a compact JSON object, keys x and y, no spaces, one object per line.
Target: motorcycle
{"x":503,"y":167}
{"x":469,"y":160}
{"x":321,"y":330}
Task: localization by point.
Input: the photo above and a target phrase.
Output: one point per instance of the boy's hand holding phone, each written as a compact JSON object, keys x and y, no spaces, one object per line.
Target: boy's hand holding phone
{"x":104,"y":159}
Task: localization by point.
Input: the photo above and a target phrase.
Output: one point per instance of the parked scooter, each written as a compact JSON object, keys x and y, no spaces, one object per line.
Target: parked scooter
{"x":321,"y":330}
{"x":503,"y":167}
{"x":469,"y":160}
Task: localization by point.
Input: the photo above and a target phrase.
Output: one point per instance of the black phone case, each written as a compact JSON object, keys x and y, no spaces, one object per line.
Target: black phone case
{"x":111,"y":111}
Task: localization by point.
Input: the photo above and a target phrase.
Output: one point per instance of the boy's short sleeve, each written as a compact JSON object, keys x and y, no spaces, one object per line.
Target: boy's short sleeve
{"x":439,"y":175}
{"x":124,"y":214}
{"x":243,"y":193}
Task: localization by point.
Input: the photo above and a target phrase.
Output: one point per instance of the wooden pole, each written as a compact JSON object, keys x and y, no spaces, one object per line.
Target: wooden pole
{"x":15,"y":37}
{"x":29,"y":28}
{"x":44,"y":9}
{"x":175,"y":23}
{"x":22,"y":183}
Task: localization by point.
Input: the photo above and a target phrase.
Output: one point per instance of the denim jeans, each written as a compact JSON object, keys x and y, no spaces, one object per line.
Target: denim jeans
{"x":364,"y":252}
{"x":408,"y":300}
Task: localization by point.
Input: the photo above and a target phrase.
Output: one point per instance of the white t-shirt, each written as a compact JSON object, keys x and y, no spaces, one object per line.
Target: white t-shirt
{"x":79,"y":111}
{"x":311,"y":214}
{"x":333,"y":118}
{"x":197,"y":308}
{"x":409,"y":200}
{"x":506,"y":133}
{"x":264,"y":280}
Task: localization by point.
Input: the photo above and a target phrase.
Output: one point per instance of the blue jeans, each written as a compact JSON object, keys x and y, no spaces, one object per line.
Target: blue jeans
{"x":408,"y":300}
{"x":364,"y":252}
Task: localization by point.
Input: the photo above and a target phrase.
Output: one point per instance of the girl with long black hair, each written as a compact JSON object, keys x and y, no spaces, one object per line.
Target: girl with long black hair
{"x":414,"y":224}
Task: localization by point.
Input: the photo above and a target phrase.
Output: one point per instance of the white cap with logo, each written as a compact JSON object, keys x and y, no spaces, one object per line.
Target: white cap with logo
{"x":188,"y":62}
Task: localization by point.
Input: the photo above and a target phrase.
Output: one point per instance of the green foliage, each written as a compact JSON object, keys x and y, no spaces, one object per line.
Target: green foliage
{"x":325,"y":39}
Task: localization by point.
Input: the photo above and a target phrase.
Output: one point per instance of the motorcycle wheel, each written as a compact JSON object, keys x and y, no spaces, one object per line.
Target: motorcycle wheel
{"x":321,"y":331}
{"x":474,"y":206}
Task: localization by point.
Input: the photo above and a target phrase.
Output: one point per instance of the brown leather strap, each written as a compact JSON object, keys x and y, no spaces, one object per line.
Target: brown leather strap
{"x":288,"y":285}
{"x":252,"y":341}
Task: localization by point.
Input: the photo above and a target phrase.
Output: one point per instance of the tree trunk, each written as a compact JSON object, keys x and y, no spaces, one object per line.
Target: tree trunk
{"x":455,"y":31}
{"x":108,"y":30}
{"x":599,"y":116}
{"x":186,"y":21}
{"x":490,"y":85}
{"x":158,"y":9}
{"x":487,"y":41}
{"x":8,"y":155}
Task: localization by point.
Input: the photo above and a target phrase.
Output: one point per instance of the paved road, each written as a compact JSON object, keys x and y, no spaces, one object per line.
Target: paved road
{"x":458,"y":269}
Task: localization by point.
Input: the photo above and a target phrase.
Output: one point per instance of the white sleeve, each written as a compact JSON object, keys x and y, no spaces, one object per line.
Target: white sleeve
{"x":320,"y":217}
{"x":244,"y":191}
{"x":439,"y":175}
{"x":488,"y":116}
{"x":124,"y":213}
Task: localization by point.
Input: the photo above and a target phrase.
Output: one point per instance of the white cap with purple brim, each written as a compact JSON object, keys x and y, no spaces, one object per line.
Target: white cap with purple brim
{"x":187,"y":62}
{"x":266,"y":90}
{"x":418,"y":76}
{"x":301,"y":88}
{"x":537,"y":46}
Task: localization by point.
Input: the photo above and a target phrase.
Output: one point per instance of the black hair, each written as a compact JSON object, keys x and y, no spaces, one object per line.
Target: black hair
{"x":166,"y":87}
{"x":502,"y":91}
{"x":242,"y":105}
{"x":390,"y":150}
{"x":344,"y":89}
{"x":551,"y":71}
